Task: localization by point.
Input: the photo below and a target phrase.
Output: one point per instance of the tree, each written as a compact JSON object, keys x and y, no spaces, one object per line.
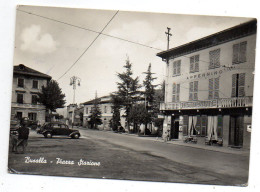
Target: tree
{"x":128,"y":89}
{"x":51,"y":96}
{"x":115,"y":121}
{"x":95,"y":117}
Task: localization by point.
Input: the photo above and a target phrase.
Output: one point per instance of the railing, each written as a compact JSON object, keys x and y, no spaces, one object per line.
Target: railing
{"x":28,"y":105}
{"x":207,"y":104}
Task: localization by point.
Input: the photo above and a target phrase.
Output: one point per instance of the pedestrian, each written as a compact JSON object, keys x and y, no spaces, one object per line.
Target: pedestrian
{"x":23,"y":135}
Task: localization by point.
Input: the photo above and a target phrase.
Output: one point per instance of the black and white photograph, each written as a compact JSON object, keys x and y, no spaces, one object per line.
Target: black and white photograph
{"x":132,"y":95}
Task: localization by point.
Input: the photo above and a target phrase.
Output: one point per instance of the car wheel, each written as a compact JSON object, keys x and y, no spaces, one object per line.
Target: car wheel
{"x":48,"y":135}
{"x":76,"y":136}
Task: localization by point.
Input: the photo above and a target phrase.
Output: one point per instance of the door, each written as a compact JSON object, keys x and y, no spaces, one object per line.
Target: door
{"x":174,"y":128}
{"x":236,"y":131}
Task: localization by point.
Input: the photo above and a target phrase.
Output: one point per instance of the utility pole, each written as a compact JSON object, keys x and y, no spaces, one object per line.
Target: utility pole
{"x":74,"y":81}
{"x":168,"y":34}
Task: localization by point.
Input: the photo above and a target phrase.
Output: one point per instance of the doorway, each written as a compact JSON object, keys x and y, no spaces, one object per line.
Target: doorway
{"x":236,"y":127}
{"x":174,"y":128}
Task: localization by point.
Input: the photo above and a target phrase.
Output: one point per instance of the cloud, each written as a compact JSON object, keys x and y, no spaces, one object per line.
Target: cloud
{"x":34,"y":41}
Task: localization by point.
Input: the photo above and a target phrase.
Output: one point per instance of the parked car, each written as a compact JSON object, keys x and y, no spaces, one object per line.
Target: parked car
{"x":58,"y":128}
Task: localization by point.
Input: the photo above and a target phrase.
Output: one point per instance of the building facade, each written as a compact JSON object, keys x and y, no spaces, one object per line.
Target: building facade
{"x":209,"y":87}
{"x":105,"y":106}
{"x":27,"y":83}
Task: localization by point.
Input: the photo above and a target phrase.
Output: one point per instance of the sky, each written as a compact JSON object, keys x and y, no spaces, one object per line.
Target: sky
{"x":52,"y":47}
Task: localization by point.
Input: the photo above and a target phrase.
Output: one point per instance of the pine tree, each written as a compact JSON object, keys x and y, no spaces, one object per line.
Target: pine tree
{"x":128,"y":89}
{"x":95,"y":117}
{"x":115,"y":121}
{"x":149,"y":93}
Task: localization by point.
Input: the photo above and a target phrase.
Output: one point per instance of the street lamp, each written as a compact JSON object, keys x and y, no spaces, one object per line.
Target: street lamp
{"x":74,"y":81}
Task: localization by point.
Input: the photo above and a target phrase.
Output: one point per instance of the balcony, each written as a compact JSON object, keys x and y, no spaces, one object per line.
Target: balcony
{"x":209,"y":104}
{"x":28,"y":105}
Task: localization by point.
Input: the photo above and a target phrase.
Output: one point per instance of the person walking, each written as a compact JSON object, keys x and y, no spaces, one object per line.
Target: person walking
{"x":23,"y":135}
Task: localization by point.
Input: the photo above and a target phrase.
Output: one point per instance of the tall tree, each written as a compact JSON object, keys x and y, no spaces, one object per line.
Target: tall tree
{"x":128,"y":89}
{"x":115,"y":121}
{"x":51,"y":97}
{"x":95,"y":117}
{"x":149,"y":93}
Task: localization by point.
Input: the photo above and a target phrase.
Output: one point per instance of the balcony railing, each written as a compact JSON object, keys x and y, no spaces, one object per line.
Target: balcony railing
{"x":209,"y":104}
{"x":28,"y":105}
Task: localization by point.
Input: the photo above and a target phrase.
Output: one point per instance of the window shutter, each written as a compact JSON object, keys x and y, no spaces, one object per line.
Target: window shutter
{"x":179,"y":67}
{"x":216,"y":88}
{"x":191,"y":86}
{"x":234,"y":83}
{"x":191,"y":64}
{"x":241,"y":85}
{"x":217,"y":58}
{"x":185,"y":125}
{"x":196,"y":85}
{"x":196,"y":63}
{"x":178,"y":93}
{"x":174,"y":88}
{"x":195,"y":97}
{"x":211,"y":60}
{"x":173,"y":98}
{"x":174,"y":68}
{"x":243,"y":51}
{"x":235,"y":53}
{"x":210,"y":88}
{"x":204,"y":119}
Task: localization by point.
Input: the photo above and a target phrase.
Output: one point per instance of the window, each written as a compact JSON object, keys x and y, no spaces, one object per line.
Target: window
{"x":34,"y":99}
{"x":35,"y":84}
{"x":177,"y":68}
{"x":214,"y":88}
{"x":105,"y":109}
{"x":185,"y":125}
{"x":20,"y":98}
{"x":176,"y":93}
{"x":19,"y":115}
{"x":32,"y":116}
{"x":238,"y":85}
{"x":193,"y":96}
{"x":20,"y":82}
{"x":201,"y":125}
{"x":194,"y":63}
{"x":220,"y":126}
{"x":86,"y":110}
{"x":214,"y":58}
{"x":239,"y":53}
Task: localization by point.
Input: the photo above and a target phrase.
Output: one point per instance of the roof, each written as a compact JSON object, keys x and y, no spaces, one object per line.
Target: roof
{"x":236,"y":32}
{"x":23,"y":70}
{"x":100,"y":100}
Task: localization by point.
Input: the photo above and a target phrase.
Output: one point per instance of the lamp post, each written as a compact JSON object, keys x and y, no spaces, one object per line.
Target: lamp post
{"x":74,"y":81}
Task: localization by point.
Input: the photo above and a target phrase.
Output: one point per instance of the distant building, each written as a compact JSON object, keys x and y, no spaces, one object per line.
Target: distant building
{"x":78,"y":114}
{"x":105,"y":106}
{"x":27,"y":83}
{"x":209,"y":87}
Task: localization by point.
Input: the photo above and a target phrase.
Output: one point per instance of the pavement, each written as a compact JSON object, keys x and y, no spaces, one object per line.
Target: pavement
{"x":238,"y":151}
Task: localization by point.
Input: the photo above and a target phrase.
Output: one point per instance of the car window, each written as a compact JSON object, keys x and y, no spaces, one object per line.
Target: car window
{"x":63,"y":126}
{"x":55,"y":126}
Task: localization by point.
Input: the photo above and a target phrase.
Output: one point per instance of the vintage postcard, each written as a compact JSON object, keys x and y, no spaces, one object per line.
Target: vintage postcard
{"x":141,"y":96}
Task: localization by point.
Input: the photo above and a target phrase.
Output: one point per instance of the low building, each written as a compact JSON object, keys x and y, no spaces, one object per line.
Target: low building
{"x":209,"y":87}
{"x":27,"y":83}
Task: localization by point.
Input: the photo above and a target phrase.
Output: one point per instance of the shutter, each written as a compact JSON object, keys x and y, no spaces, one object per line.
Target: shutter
{"x":210,"y":88}
{"x":235,"y":53}
{"x":195,"y":97}
{"x":196,"y":63}
{"x":204,"y":119}
{"x":196,"y":84}
{"x":185,"y":125}
{"x":220,"y":126}
{"x":217,"y":58}
{"x":192,"y":64}
{"x":216,"y":88}
{"x":198,"y":125}
{"x":243,"y":51}
{"x":174,"y":88}
{"x":178,"y":93}
{"x":179,"y":67}
{"x":211,"y":60}
{"x":234,"y":83}
{"x":174,"y":68}
{"x":241,"y":85}
{"x":173,"y":98}
{"x":191,"y":91}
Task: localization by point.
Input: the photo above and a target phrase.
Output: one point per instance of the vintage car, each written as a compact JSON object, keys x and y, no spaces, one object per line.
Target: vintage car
{"x":58,"y":128}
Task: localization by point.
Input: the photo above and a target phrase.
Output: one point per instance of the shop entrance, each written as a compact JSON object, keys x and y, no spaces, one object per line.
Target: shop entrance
{"x":174,"y":128}
{"x":236,"y":128}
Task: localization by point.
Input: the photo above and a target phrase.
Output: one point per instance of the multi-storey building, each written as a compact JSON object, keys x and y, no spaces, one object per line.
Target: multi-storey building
{"x":27,"y":83}
{"x":105,"y":106}
{"x":209,"y":87}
